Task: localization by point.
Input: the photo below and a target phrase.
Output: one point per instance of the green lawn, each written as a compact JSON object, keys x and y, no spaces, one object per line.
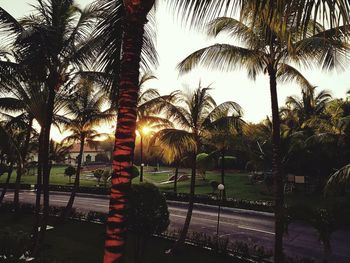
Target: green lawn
{"x":83,"y":242}
{"x":237,"y":184}
{"x":56,"y":177}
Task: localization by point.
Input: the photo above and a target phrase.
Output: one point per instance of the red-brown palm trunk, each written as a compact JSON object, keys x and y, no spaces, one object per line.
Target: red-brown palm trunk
{"x":276,"y":169}
{"x":136,"y":12}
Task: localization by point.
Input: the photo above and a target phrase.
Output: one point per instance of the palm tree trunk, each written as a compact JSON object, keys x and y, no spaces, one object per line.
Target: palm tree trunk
{"x":38,"y":198}
{"x":18,"y":182}
{"x":175,"y":177}
{"x":186,"y":226}
{"x":136,"y":13}
{"x":45,"y":160}
{"x":76,"y":180}
{"x":27,"y":140}
{"x":276,"y":169}
{"x":223,"y":173}
{"x":4,"y":189}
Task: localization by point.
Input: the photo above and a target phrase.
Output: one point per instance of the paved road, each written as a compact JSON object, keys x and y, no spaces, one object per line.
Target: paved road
{"x":235,"y":224}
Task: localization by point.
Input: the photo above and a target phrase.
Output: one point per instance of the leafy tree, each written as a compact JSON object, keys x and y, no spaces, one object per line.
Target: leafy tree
{"x":98,"y":175}
{"x":102,"y":157}
{"x":311,"y":107}
{"x":195,"y":116}
{"x":266,"y":50}
{"x":9,"y":146}
{"x":52,"y":42}
{"x":85,"y":111}
{"x":70,"y":171}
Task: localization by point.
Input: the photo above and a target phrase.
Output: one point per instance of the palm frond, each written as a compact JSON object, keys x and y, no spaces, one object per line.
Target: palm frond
{"x":287,"y":73}
{"x":340,"y":178}
{"x":223,"y":57}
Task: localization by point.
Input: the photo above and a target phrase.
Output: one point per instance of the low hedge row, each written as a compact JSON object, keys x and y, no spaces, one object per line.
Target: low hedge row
{"x":264,"y":206}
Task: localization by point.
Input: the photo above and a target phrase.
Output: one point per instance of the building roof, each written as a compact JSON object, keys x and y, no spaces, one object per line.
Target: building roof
{"x":76,"y":147}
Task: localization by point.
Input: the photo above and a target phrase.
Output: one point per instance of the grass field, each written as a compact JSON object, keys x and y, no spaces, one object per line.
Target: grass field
{"x":237,"y":184}
{"x":75,"y":242}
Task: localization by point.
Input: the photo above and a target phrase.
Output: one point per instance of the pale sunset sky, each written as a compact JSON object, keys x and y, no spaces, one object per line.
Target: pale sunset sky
{"x":174,"y":43}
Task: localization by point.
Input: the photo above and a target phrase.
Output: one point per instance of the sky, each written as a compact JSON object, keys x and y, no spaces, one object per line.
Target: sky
{"x":174,"y":43}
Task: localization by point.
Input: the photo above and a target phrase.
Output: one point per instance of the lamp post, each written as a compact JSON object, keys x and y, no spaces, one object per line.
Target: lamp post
{"x":221,"y":188}
{"x":144,"y":131}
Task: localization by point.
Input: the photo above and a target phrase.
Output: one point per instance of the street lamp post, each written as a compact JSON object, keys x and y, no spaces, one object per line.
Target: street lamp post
{"x":144,"y":131}
{"x":221,"y":188}
{"x":141,"y":158}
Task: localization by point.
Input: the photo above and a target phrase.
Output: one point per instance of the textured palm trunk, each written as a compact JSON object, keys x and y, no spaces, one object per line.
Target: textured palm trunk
{"x":76,"y":180}
{"x":223,"y":173}
{"x":136,"y":12}
{"x":179,"y":243}
{"x":4,"y":189}
{"x":276,"y":170}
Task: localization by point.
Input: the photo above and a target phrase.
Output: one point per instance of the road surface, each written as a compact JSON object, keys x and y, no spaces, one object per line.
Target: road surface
{"x":235,"y":224}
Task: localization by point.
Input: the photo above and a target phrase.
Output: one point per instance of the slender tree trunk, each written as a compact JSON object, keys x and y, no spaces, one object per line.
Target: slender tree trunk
{"x":4,"y":189}
{"x":176,"y":176}
{"x":276,"y":169}
{"x":76,"y":180}
{"x":179,"y":243}
{"x":136,"y":12}
{"x":45,"y":160}
{"x":18,"y":182}
{"x":223,"y":173}
{"x":27,"y":140}
{"x":38,"y":198}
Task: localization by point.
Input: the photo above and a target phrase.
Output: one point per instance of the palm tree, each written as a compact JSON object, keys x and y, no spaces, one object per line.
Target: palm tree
{"x":195,"y":116}
{"x":312,"y":106}
{"x":135,"y":18}
{"x":267,"y":50}
{"x":51,"y":42}
{"x":85,"y":109}
{"x":10,"y":146}
{"x":149,"y":106}
{"x":220,"y":135}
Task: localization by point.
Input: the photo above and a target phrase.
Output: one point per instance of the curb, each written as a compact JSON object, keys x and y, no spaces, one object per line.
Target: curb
{"x":223,"y":209}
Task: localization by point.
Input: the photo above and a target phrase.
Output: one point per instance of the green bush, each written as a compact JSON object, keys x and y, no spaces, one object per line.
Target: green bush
{"x":148,"y":213}
{"x":13,"y":245}
{"x":102,"y":157}
{"x":230,"y":162}
{"x":70,"y":171}
{"x":3,"y":168}
{"x":134,"y":171}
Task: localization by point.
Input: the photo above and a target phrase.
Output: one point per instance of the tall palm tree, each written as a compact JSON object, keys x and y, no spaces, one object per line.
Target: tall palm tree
{"x":195,"y":113}
{"x":135,"y":18}
{"x":51,"y":42}
{"x":267,"y":50}
{"x":220,"y":135}
{"x":85,"y":111}
{"x":310,"y":106}
{"x":150,"y":105}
